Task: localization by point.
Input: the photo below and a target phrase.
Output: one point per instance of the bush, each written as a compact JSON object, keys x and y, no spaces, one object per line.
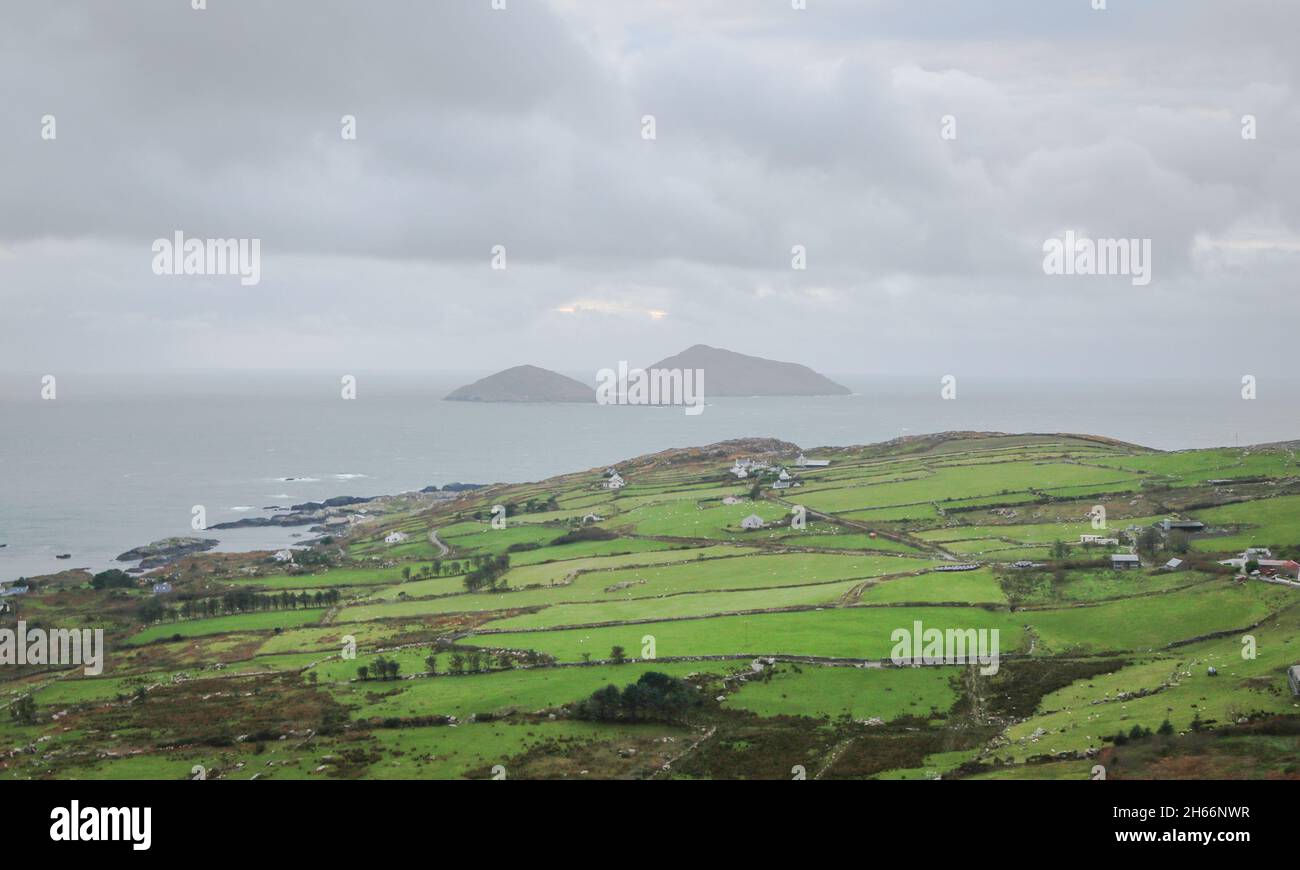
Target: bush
{"x":655,"y":697}
{"x":587,"y":533}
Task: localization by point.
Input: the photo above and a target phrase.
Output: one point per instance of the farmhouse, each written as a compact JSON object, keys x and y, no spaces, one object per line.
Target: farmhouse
{"x":13,"y":589}
{"x":1274,"y":567}
{"x":592,"y":518}
{"x":1173,"y":565}
{"x":394,"y":538}
{"x":1124,"y":561}
{"x":1263,"y":557}
{"x":1099,"y":540}
{"x":784,"y":475}
{"x":781,"y":484}
{"x":753,"y":521}
{"x":805,"y":462}
{"x":284,"y":556}
{"x":615,"y":481}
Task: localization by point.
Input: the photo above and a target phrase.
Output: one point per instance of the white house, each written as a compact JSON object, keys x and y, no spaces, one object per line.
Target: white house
{"x":753,"y":521}
{"x":805,"y":462}
{"x":784,"y":475}
{"x":615,"y":481}
{"x":781,"y":484}
{"x":395,"y":538}
{"x":592,"y":518}
{"x":1098,"y":539}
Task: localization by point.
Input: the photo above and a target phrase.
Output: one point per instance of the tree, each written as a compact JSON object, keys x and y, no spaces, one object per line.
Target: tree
{"x":152,"y":610}
{"x":363,"y":672}
{"x":23,"y":711}
{"x":1179,"y":542}
{"x":618,"y":654}
{"x":1060,"y":550}
{"x":431,"y":662}
{"x":112,"y":579}
{"x":1148,"y":541}
{"x":653,"y":697}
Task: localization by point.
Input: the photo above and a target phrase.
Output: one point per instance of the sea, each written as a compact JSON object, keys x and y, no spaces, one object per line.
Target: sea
{"x":114,"y":461}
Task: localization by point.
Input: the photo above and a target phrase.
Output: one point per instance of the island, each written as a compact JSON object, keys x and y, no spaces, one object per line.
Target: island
{"x":727,"y":373}
{"x":524,"y":383}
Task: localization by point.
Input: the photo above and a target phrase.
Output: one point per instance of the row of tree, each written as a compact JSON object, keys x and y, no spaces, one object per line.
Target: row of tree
{"x":489,"y":575}
{"x":237,"y":601}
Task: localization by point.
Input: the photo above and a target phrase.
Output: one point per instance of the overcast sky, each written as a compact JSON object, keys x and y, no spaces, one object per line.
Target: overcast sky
{"x":774,"y":127}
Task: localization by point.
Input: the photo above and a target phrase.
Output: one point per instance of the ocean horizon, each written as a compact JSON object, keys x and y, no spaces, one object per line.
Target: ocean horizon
{"x":119,"y":460}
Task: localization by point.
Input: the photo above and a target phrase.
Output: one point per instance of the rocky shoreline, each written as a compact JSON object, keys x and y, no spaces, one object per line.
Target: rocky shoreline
{"x":333,"y":516}
{"x":161,"y":552}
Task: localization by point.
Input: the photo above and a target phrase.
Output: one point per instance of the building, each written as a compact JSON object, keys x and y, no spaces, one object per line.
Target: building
{"x":1099,"y":540}
{"x":284,"y":556}
{"x":1124,"y":561}
{"x":805,"y":462}
{"x":753,"y":521}
{"x":784,"y":475}
{"x":615,"y":481}
{"x":1173,"y":564}
{"x":592,"y":518}
{"x":394,"y":538}
{"x":13,"y":589}
{"x":781,"y":484}
{"x":1274,"y":567}
{"x":1293,"y":679}
{"x":162,"y":588}
{"x":1182,"y":526}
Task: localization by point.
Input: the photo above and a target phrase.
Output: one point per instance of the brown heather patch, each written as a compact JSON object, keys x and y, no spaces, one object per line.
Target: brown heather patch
{"x":632,"y":757}
{"x":747,"y":747}
{"x":215,"y":712}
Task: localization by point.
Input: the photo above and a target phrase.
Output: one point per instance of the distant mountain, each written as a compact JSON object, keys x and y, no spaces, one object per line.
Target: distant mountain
{"x":524,"y":384}
{"x":727,"y":373}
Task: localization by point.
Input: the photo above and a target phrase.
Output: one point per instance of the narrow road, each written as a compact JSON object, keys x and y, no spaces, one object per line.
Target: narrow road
{"x":433,"y":539}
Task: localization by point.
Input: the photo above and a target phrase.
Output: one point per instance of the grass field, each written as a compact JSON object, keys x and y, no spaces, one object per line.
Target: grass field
{"x":776,"y":641}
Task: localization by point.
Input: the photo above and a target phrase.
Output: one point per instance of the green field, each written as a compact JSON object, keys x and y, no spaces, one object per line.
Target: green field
{"x":663,"y":640}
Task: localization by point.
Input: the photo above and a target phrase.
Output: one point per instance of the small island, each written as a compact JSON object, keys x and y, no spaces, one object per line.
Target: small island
{"x":524,"y":384}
